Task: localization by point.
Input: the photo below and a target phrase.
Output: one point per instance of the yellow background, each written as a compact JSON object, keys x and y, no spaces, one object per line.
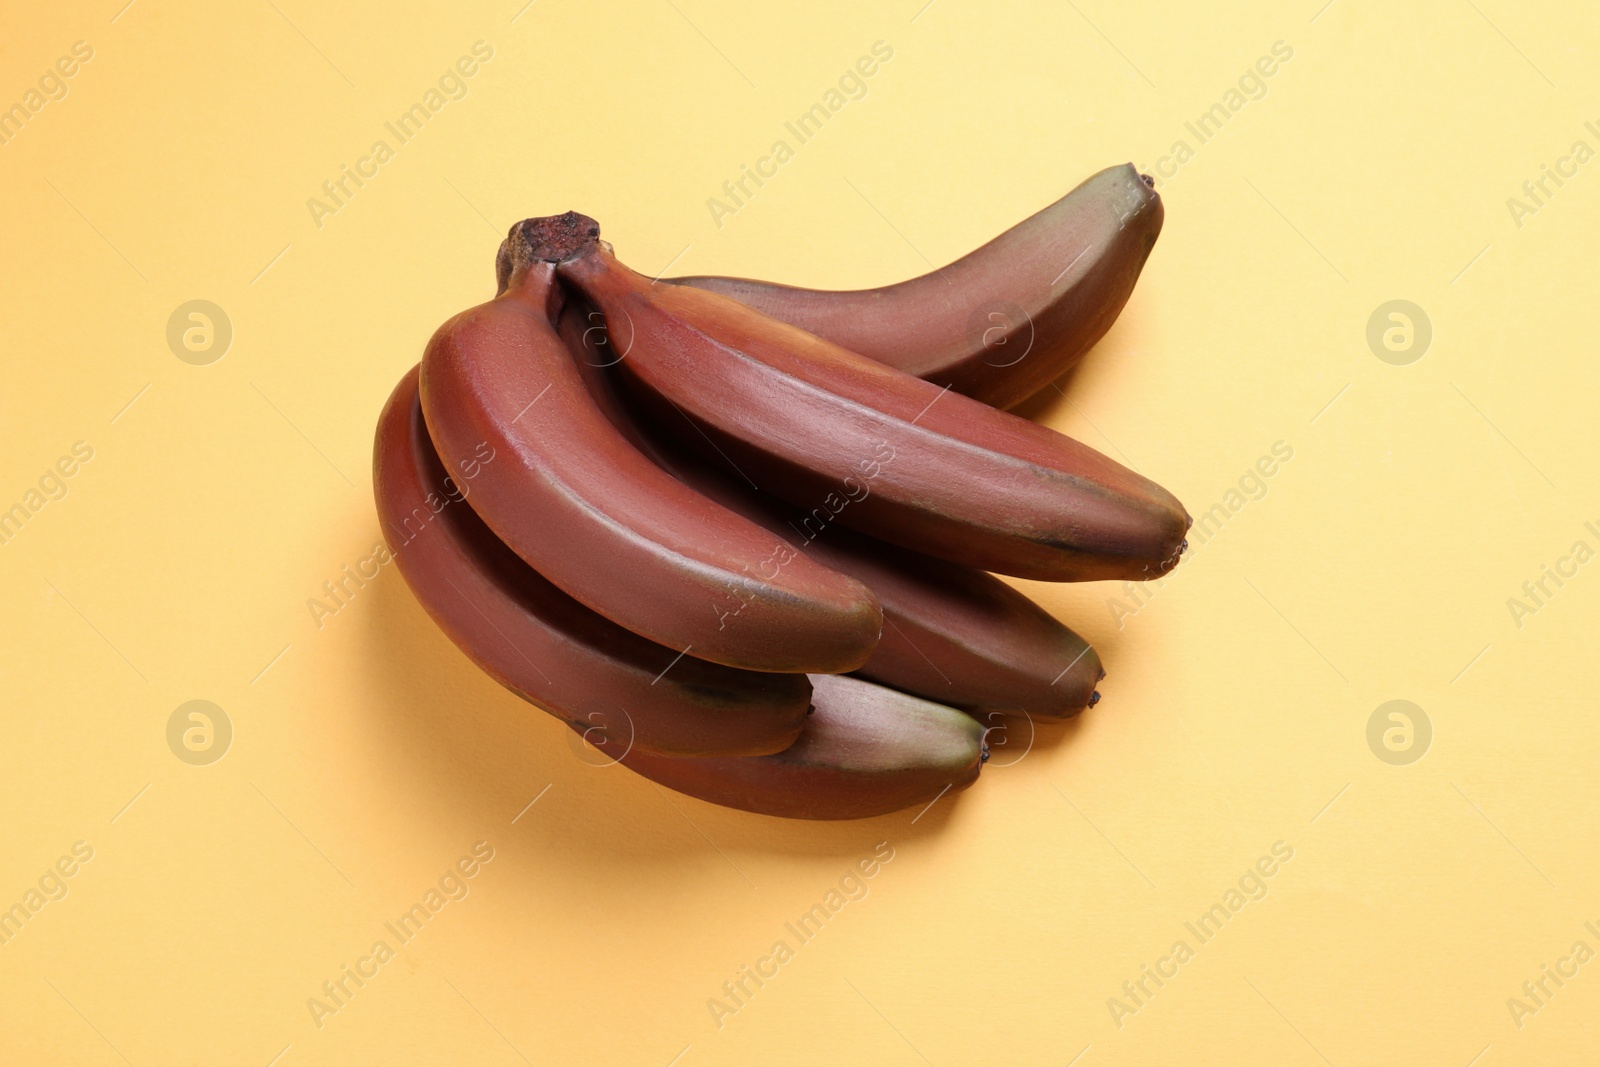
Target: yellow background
{"x":368,"y":755}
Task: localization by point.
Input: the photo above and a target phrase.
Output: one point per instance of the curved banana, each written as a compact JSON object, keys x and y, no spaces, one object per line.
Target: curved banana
{"x":543,"y":645}
{"x":599,"y":520}
{"x":1003,"y":321}
{"x":963,"y":637}
{"x":811,"y":422}
{"x":865,"y":751}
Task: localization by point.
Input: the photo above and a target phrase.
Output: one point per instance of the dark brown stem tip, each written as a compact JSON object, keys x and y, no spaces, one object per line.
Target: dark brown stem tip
{"x":545,"y":240}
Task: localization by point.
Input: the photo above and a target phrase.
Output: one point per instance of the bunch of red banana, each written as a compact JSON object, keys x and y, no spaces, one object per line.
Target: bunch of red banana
{"x":673,"y":513}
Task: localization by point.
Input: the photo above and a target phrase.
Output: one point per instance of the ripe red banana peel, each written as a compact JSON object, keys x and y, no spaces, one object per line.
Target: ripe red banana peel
{"x":865,"y":751}
{"x":575,"y":500}
{"x":1003,"y":321}
{"x":932,"y":470}
{"x":540,"y":643}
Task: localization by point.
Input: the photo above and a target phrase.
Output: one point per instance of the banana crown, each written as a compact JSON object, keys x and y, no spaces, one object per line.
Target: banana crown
{"x":550,"y":239}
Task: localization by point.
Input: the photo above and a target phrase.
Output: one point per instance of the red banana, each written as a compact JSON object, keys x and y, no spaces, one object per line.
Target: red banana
{"x":924,"y":468}
{"x":540,"y":643}
{"x":1003,"y":321}
{"x":865,"y":751}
